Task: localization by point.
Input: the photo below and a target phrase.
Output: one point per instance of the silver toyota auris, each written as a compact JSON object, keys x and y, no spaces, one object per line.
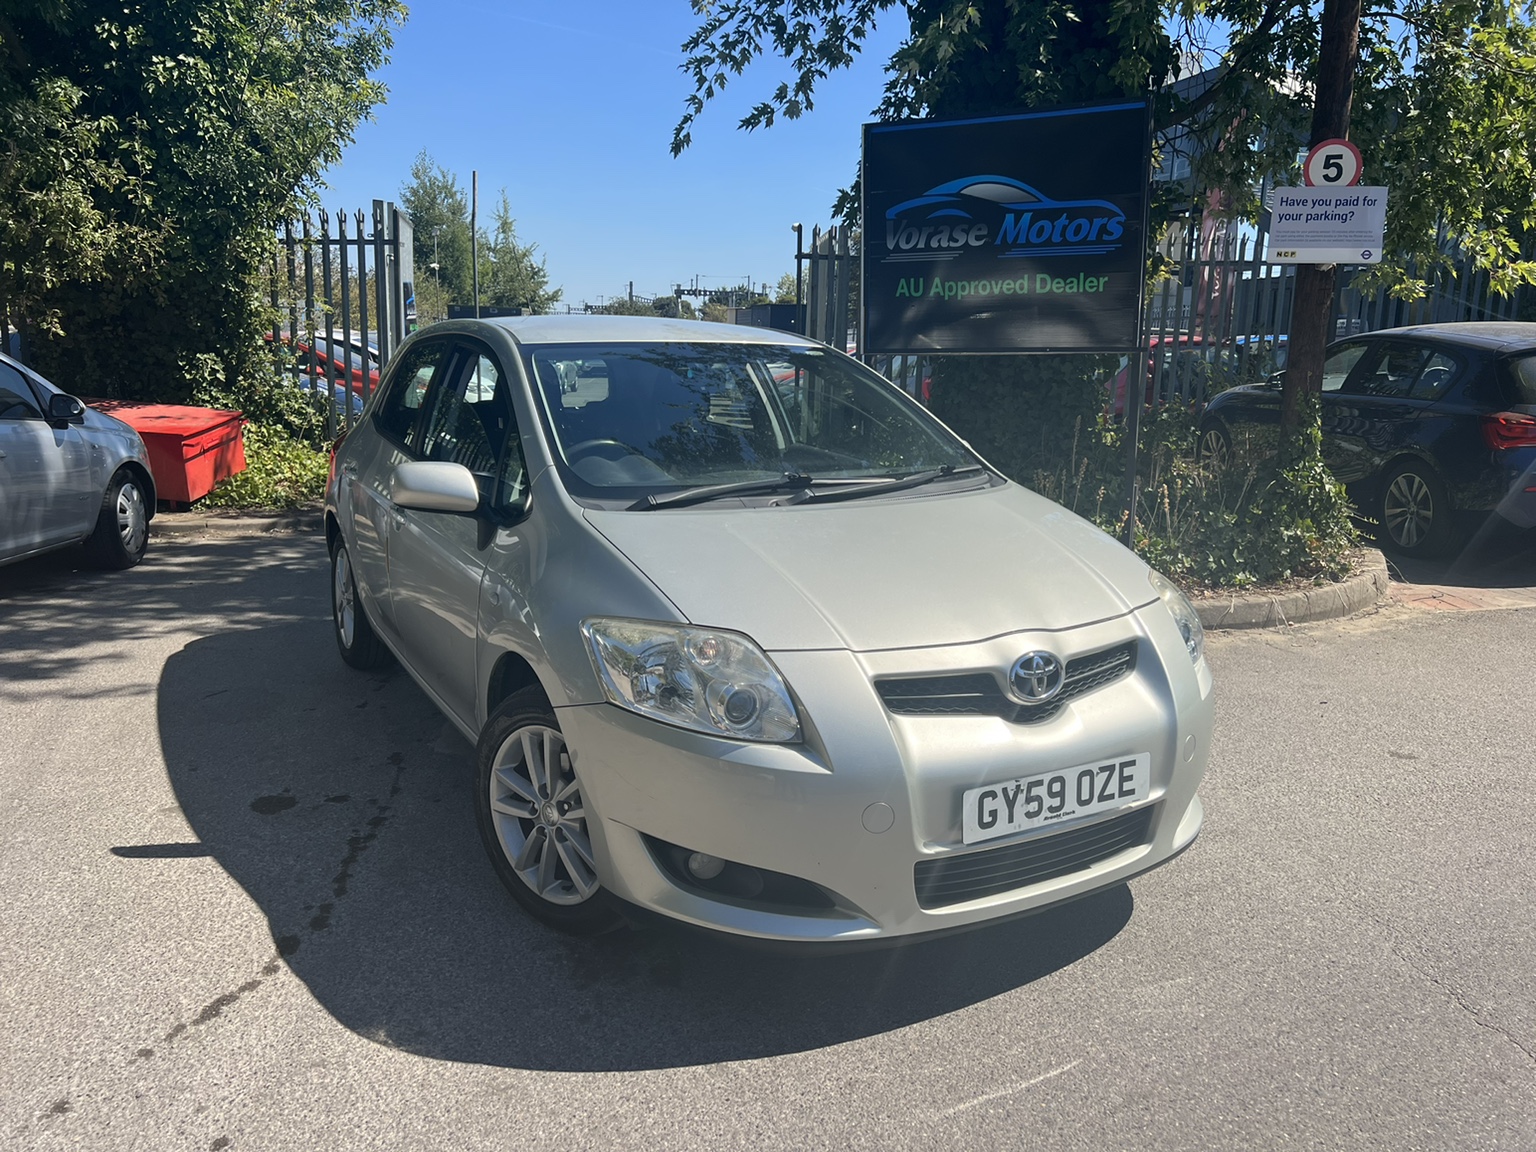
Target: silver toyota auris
{"x":746,"y":638}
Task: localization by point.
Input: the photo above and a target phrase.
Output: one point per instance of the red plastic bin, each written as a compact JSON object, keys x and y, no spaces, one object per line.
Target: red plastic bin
{"x":190,"y":449}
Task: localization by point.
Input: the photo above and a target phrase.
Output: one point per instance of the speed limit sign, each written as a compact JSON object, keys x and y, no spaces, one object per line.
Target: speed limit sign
{"x":1333,"y":163}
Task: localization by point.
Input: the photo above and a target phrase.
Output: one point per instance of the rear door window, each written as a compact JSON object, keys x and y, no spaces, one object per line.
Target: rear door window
{"x":1391,"y":371}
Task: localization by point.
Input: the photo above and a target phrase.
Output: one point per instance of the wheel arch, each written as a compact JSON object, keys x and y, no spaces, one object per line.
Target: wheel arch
{"x":146,"y":479}
{"x":1405,"y":455}
{"x":511,"y":673}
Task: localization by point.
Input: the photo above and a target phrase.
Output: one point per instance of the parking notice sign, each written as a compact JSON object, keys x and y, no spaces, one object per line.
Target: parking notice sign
{"x":1337,"y":225}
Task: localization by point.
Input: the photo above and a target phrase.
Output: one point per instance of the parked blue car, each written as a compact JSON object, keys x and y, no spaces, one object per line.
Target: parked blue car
{"x":1425,"y":426}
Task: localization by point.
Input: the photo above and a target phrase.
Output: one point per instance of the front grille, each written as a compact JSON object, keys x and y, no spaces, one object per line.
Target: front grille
{"x":956,"y":879}
{"x":980,"y":694}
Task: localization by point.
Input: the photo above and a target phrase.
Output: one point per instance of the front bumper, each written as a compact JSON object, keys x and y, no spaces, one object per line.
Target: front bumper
{"x":871,"y":800}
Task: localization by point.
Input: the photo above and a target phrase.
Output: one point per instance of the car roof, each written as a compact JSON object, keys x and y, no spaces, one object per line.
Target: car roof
{"x":1488,"y":335}
{"x":578,"y":329}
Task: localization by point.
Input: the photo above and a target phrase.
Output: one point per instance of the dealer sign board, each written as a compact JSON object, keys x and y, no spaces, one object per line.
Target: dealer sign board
{"x":1338,"y":225}
{"x":1006,"y":234}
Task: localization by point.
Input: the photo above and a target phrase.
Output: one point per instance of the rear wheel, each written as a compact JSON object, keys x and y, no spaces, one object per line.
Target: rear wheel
{"x":121,"y":534}
{"x":356,"y":640}
{"x":1415,"y":511}
{"x":534,"y":821}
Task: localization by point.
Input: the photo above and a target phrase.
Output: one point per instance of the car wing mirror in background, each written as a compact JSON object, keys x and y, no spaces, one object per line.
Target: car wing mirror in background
{"x":434,"y":486}
{"x":63,"y":409}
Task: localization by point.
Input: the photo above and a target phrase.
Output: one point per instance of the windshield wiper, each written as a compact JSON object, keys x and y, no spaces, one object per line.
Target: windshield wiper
{"x":895,"y":484}
{"x":788,"y":482}
{"x":806,"y":488}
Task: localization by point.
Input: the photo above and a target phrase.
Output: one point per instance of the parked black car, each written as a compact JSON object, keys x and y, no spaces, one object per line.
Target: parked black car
{"x":1424,"y":425}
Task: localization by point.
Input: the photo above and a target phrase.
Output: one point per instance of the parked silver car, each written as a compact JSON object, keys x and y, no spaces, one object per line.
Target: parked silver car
{"x":68,"y":474}
{"x":748,"y":639}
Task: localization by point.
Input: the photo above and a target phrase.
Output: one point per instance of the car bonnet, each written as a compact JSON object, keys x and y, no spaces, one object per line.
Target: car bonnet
{"x":882,"y":573}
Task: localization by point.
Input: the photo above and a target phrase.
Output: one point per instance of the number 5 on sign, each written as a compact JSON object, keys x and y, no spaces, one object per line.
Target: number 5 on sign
{"x":1333,"y":163}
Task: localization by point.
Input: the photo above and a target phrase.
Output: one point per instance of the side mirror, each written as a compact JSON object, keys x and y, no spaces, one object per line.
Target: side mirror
{"x":434,"y":486}
{"x":64,"y":409}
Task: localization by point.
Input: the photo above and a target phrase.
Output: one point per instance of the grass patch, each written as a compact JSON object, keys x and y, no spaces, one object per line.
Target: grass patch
{"x":281,"y":472}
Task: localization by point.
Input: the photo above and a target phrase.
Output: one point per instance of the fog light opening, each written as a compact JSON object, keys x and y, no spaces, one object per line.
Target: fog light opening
{"x":703,"y":866}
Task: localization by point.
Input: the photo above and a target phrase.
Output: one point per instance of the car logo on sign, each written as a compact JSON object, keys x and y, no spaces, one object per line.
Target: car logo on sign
{"x":1036,"y":677}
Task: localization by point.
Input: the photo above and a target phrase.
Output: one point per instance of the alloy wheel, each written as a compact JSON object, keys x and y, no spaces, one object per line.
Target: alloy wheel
{"x":344,"y":598}
{"x":1213,"y":447}
{"x":1408,"y":510}
{"x":540,"y":821}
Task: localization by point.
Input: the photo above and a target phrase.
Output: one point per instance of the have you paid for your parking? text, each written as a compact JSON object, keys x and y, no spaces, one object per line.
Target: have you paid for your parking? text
{"x":1038,"y":285}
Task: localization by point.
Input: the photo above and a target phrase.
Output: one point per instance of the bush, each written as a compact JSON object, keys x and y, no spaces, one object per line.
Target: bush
{"x":281,"y":472}
{"x":1268,"y":516}
{"x":269,"y":397}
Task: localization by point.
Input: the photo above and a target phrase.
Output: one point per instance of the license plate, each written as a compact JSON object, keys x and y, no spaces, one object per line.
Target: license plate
{"x":1034,"y":801}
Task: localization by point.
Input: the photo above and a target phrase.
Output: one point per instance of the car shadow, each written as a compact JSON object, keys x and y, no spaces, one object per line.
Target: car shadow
{"x":1491,"y":554}
{"x":342,"y":803}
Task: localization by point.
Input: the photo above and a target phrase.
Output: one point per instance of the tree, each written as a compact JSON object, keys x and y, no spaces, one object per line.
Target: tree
{"x":439,"y":212}
{"x":514,"y":278}
{"x":785,"y":293}
{"x":151,"y":151}
{"x":1442,"y":104}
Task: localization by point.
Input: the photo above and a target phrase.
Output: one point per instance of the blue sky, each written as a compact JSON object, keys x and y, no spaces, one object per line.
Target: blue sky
{"x":570,"y":107}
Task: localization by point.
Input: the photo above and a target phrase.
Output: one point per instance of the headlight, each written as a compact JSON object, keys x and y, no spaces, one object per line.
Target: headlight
{"x":1184,"y":614}
{"x":699,"y":678}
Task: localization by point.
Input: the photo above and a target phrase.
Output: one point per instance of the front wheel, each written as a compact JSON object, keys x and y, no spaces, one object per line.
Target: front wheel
{"x":1214,"y":446}
{"x":534,"y":820}
{"x":1415,"y":511}
{"x":121,"y":534}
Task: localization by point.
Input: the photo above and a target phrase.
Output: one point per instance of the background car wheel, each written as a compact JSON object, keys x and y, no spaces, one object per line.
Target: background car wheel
{"x":533,"y":819}
{"x":359,"y":645}
{"x":122,"y":526}
{"x":1415,"y":512}
{"x":1214,"y":446}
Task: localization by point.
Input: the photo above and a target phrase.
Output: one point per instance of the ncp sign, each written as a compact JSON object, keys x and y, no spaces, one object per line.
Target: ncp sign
{"x":1006,"y":234}
{"x":1343,"y":225}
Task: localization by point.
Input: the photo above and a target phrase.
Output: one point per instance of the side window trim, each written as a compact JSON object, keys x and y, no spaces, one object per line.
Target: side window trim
{"x":462,"y":354}
{"x":28,"y":393}
{"x":509,"y":382}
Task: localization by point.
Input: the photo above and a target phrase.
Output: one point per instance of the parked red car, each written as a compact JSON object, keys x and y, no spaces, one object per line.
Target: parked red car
{"x":1182,"y":366}
{"x":339,"y":363}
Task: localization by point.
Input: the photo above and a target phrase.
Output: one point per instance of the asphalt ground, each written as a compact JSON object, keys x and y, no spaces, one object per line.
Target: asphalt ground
{"x":243,"y":906}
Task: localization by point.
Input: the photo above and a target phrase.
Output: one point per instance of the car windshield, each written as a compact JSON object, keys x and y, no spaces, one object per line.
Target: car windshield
{"x":631,"y":420}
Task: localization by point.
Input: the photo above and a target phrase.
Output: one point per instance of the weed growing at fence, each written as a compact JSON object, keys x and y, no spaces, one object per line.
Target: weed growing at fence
{"x":1268,"y":515}
{"x":280,"y":472}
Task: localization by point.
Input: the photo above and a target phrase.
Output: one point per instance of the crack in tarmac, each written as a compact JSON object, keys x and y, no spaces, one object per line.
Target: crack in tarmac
{"x":289,"y":943}
{"x":1453,"y":994}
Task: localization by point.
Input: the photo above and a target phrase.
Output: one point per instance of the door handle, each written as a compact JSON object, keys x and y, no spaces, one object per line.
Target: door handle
{"x":397,"y":515}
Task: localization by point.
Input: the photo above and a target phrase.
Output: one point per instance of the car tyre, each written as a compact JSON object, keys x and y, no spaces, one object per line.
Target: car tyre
{"x":1414,"y":513}
{"x":356,"y":640}
{"x":533,"y":818}
{"x":121,"y":535}
{"x":1214,"y":446}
